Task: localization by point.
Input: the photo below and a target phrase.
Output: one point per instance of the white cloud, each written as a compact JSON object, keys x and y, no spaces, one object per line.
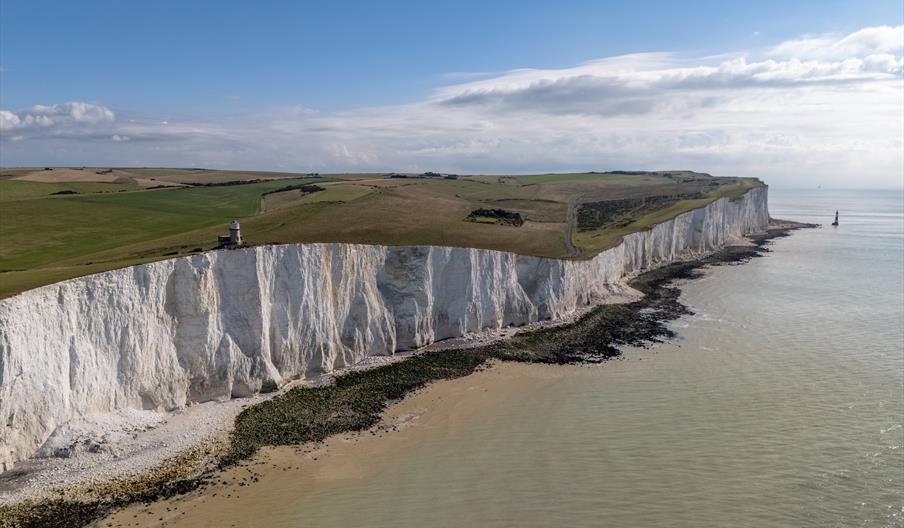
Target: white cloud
{"x":9,"y":120}
{"x":881,"y":39}
{"x":866,"y":41}
{"x":55,"y":116}
{"x":815,"y":110}
{"x":661,"y":84}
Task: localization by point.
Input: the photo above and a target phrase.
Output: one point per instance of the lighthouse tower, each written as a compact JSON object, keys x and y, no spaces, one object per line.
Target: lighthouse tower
{"x":235,"y":233}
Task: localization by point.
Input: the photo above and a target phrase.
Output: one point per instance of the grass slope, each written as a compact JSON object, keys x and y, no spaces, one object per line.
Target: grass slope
{"x":119,"y":221}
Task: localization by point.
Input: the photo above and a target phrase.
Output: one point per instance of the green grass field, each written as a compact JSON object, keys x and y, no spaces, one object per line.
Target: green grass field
{"x":45,"y":238}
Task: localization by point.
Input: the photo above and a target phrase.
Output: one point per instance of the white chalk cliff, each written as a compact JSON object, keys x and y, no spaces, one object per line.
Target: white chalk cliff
{"x":231,"y":323}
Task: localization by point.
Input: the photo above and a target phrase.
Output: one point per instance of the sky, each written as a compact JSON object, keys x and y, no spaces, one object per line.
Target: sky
{"x":798,"y":93}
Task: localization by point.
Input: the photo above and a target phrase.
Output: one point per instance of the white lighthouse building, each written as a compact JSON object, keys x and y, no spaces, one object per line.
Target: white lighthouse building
{"x":234,"y":239}
{"x":235,"y":233}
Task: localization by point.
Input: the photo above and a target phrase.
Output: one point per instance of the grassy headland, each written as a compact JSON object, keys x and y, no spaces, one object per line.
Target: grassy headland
{"x":63,"y":223}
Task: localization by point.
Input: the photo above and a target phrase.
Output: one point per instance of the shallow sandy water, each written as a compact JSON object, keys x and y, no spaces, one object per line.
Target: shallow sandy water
{"x":436,"y":411}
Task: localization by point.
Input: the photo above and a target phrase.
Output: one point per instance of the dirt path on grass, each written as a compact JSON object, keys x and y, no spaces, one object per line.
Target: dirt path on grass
{"x":573,"y":250}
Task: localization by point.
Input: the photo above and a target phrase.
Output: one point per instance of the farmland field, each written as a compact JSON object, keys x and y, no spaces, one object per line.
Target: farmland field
{"x":62,"y":223}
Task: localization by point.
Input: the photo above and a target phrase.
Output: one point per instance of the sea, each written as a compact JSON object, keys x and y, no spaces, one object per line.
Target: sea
{"x":779,"y":404}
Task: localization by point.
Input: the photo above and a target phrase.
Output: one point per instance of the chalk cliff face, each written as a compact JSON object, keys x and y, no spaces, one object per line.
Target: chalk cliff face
{"x":231,"y":323}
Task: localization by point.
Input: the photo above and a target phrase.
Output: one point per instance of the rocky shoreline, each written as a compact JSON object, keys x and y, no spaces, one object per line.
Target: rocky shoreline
{"x":356,"y":400}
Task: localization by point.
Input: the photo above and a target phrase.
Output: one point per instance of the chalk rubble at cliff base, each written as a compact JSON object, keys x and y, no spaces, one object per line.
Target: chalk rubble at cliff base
{"x":227,"y":324}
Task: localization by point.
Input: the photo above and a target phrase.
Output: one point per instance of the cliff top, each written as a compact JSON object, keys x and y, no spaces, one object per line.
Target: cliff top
{"x":59,"y":223}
